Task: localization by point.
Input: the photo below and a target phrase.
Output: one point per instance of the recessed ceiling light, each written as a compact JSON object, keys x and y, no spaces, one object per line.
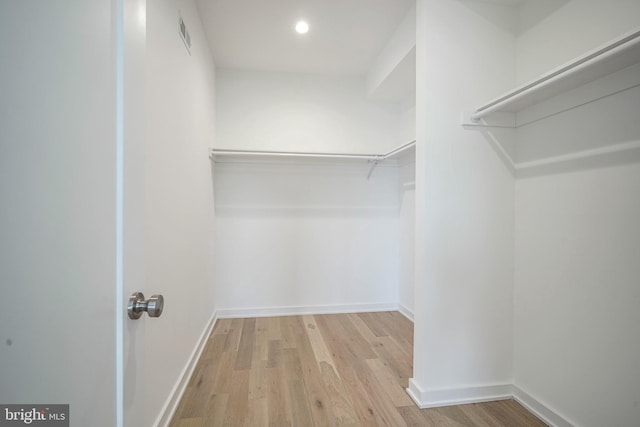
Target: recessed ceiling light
{"x":302,"y":27}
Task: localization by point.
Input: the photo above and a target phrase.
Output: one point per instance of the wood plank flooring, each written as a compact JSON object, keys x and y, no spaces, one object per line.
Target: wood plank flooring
{"x":322,"y":370}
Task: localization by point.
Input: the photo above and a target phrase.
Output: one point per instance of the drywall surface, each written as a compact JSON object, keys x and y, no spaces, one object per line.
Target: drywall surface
{"x":577,"y":293}
{"x":294,"y":235}
{"x":178,"y":195}
{"x":401,"y":45}
{"x":530,"y":13}
{"x":576,"y":276}
{"x":408,"y":124}
{"x":300,"y":235}
{"x":58,"y":215}
{"x":572,"y":30}
{"x":464,"y":210}
{"x":601,"y":116}
{"x":301,"y":112}
{"x":406,"y":244}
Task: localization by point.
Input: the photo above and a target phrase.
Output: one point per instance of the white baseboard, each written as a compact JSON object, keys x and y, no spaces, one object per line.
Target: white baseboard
{"x":302,"y":310}
{"x":406,"y":312}
{"x":179,"y":388}
{"x":459,"y":396}
{"x":540,"y":410}
{"x":437,"y":398}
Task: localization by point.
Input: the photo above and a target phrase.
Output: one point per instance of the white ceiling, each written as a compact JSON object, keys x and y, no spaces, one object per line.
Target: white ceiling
{"x":345,"y":36}
{"x":515,"y":16}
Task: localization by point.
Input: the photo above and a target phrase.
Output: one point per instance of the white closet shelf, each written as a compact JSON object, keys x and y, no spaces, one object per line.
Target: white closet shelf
{"x":396,"y":152}
{"x":373,"y":159}
{"x":613,"y":56}
{"x":216,"y":153}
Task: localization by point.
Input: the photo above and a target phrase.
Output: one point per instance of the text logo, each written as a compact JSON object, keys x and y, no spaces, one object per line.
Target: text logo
{"x":34,"y":415}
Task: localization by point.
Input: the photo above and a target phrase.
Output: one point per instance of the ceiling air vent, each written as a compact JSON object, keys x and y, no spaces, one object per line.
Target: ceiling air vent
{"x":184,"y":34}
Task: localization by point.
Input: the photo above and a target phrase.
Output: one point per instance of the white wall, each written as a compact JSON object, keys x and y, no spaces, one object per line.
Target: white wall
{"x":575,"y":28}
{"x":179,"y":205}
{"x":408,"y":121}
{"x":464,"y":211}
{"x":305,"y":235}
{"x":295,"y":236}
{"x":58,"y":214}
{"x":406,"y":236}
{"x":301,"y":112}
{"x":577,"y":238}
{"x":380,"y":81}
{"x":577,"y":346}
{"x":407,"y":189}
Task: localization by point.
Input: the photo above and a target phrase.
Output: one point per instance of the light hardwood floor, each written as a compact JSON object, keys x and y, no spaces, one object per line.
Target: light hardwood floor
{"x":322,"y":370}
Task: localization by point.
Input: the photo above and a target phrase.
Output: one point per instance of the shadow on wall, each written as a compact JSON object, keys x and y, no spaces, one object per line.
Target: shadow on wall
{"x":617,"y":155}
{"x":598,"y":134}
{"x":304,"y":189}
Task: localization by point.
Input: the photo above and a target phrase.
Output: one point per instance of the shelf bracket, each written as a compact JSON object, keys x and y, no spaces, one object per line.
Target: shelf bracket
{"x":375,"y":161}
{"x":494,"y":120}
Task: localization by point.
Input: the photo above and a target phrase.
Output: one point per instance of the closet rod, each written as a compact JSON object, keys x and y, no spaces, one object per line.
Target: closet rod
{"x":374,"y":157}
{"x":223,"y":152}
{"x":610,"y":51}
{"x":383,"y":157}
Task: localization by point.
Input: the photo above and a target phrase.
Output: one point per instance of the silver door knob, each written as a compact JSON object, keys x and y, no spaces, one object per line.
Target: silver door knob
{"x":138,"y":305}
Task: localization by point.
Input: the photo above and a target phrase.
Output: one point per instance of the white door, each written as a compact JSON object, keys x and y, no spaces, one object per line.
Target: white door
{"x":133,"y":357}
{"x":64,"y":252}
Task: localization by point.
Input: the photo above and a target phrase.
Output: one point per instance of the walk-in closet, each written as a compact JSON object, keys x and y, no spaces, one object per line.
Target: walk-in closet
{"x":341,"y":212}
